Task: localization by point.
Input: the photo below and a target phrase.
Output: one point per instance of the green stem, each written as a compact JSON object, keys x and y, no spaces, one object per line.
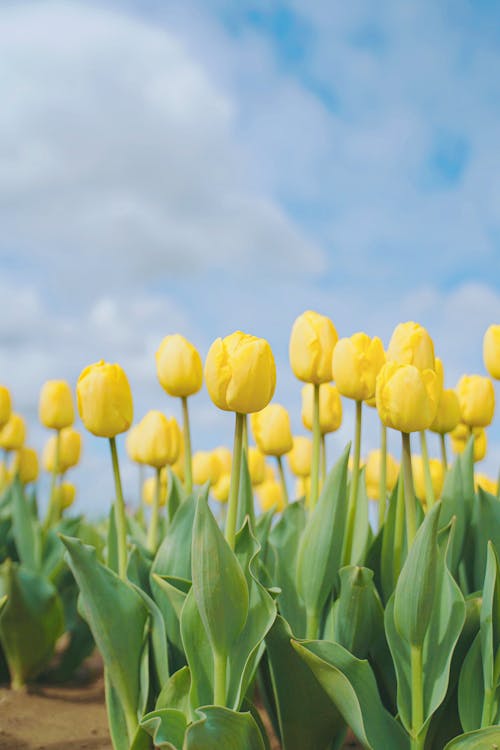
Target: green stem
{"x":323,"y":458}
{"x":417,"y":698}
{"x":382,"y":492}
{"x":152,"y":540}
{"x":410,"y":501}
{"x":282,"y":479}
{"x":188,"y":462}
{"x":232,"y":511}
{"x":120,"y":520}
{"x":399,"y":525}
{"x":245,"y":434}
{"x":429,"y":488}
{"x":444,"y":455}
{"x":353,"y":495}
{"x":54,"y":509}
{"x":488,"y":705}
{"x":220,"y":671}
{"x":313,"y":495}
{"x":312,"y":625}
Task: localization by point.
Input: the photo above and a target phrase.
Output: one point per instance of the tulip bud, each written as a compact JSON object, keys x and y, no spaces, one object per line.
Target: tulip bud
{"x":300,"y":457}
{"x":179,"y":367}
{"x":491,"y":351}
{"x":410,"y":344}
{"x":356,"y":363}
{"x":55,"y":409}
{"x":225,"y":457}
{"x":220,"y":490}
{"x":476,"y":397}
{"x":104,"y":399}
{"x":5,"y":405}
{"x":149,"y":489}
{"x":448,"y":412}
{"x":486,"y":483}
{"x":26,"y":465}
{"x":311,"y":347}
{"x":256,"y":466}
{"x":270,"y":495}
{"x":66,"y":493}
{"x":437,"y":477}
{"x":272,"y":431}
{"x":302,"y":487}
{"x":240,"y":373}
{"x":5,"y":475}
{"x":460,"y":436}
{"x":372,"y":474}
{"x":13,"y":433}
{"x":132,"y":444}
{"x":70,"y":448}
{"x":407,"y":397}
{"x":158,"y":439}
{"x":330,"y":407}
{"x":206,"y":467}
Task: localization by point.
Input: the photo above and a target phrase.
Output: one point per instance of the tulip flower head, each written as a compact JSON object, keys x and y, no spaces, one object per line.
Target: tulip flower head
{"x":485,"y":483}
{"x":270,"y":495}
{"x":448,"y":412}
{"x":104,"y":399}
{"x":206,"y":467}
{"x":55,"y":408}
{"x":460,"y":437}
{"x":70,"y":448}
{"x":256,"y":466}
{"x":13,"y":433}
{"x":272,"y":431}
{"x":411,"y":344}
{"x":476,"y":398}
{"x":300,"y":457}
{"x":491,"y":351}
{"x":437,"y":477}
{"x":149,"y":489}
{"x":372,"y":474}
{"x":179,"y":366}
{"x":356,"y":363}
{"x":159,"y":439}
{"x":330,"y":407}
{"x":407,"y":397}
{"x":220,"y":490}
{"x":5,"y":405}
{"x":26,"y":465}
{"x":312,"y":342}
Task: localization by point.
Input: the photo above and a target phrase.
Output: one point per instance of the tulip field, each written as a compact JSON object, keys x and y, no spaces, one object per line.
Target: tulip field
{"x":234,"y":610}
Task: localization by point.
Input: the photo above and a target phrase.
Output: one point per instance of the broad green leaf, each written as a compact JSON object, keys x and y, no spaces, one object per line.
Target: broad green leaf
{"x":245,"y":496}
{"x":80,"y":642}
{"x":471,"y":688}
{"x":26,"y":529}
{"x":351,"y":685}
{"x":485,"y":526}
{"x":490,"y":629}
{"x":456,"y":504}
{"x":139,"y":569}
{"x":307,"y":718}
{"x":167,"y":727}
{"x":394,"y":542}
{"x":175,"y":692}
{"x":198,"y":653}
{"x":362,"y":529}
{"x":176,"y":494}
{"x":220,"y":728}
{"x":158,"y":636}
{"x":482,"y":739}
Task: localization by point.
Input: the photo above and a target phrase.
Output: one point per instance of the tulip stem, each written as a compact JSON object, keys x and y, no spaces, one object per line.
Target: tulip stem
{"x":245,"y":435}
{"x":444,"y":455}
{"x":232,"y":510}
{"x":54,"y":509}
{"x":323,"y":458}
{"x":313,"y":496}
{"x":152,"y":541}
{"x":188,"y":463}
{"x":429,"y":489}
{"x":382,"y":492}
{"x":417,"y":698}
{"x":353,"y":495}
{"x":220,"y":675}
{"x":312,"y":625}
{"x":120,"y":520}
{"x":399,"y":525}
{"x":282,"y":479}
{"x":410,"y":501}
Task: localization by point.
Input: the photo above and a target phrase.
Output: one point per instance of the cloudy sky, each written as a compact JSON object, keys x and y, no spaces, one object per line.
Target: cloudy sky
{"x":198,"y":167}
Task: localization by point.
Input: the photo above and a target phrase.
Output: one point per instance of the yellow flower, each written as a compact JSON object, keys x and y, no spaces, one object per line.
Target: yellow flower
{"x":407,"y":397}
{"x":158,"y":439}
{"x":372,"y":474}
{"x":272,"y":431}
{"x":270,"y":495}
{"x":26,"y":465}
{"x":491,"y":351}
{"x":240,"y":373}
{"x":330,"y":407}
{"x":220,"y":490}
{"x":256,"y":466}
{"x":55,"y":408}
{"x":410,"y":344}
{"x":486,"y":483}
{"x":476,"y":397}
{"x":5,"y":476}
{"x":149,"y":489}
{"x":355,"y":365}
{"x":300,"y":457}
{"x":178,"y":366}
{"x":439,"y":370}
{"x":302,"y":487}
{"x":311,"y":347}
{"x":70,"y":448}
{"x":179,"y":466}
{"x":13,"y":433}
{"x":225,"y":457}
{"x":460,"y":436}
{"x":105,"y":399}
{"x":66,"y":493}
{"x":448,"y":412}
{"x":437,"y":476}
{"x":206,"y":467}
{"x":133,"y":444}
{"x":5,"y":405}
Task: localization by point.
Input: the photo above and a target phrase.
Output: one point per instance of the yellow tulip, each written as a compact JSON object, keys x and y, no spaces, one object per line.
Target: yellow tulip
{"x":330,"y":407}
{"x":55,"y":408}
{"x":302,"y":487}
{"x":240,"y":373}
{"x":66,"y":493}
{"x":179,"y":466}
{"x":104,"y":399}
{"x":133,"y":445}
{"x":407,"y":397}
{"x":5,"y":405}
{"x":486,"y":483}
{"x":206,"y":467}
{"x":372,"y":474}
{"x":70,"y":448}
{"x":26,"y":465}
{"x":256,"y":466}
{"x":300,"y":457}
{"x":410,"y":344}
{"x":460,"y":436}
{"x":311,"y":347}
{"x":149,"y":489}
{"x":437,"y":476}
{"x":179,"y":367}
{"x":439,"y":370}
{"x":13,"y":433}
{"x":476,"y":397}
{"x":270,"y":495}
{"x":269,"y":472}
{"x":448,"y":412}
{"x":5,"y":475}
{"x":491,"y":351}
{"x":272,"y":431}
{"x":158,"y":439}
{"x":220,"y":490}
{"x":225,"y":457}
{"x":356,"y":363}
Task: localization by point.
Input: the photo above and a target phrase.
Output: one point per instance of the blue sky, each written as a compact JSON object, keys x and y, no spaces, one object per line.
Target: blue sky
{"x":206,"y":166}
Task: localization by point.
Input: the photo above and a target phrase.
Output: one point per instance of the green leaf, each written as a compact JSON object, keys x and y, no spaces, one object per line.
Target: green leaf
{"x":167,"y":727}
{"x":394,"y":542}
{"x":26,"y":529}
{"x":351,"y":685}
{"x":362,"y":529}
{"x":222,"y":728}
{"x":485,"y":526}
{"x":284,"y":539}
{"x":471,"y":688}
{"x":175,"y":692}
{"x":158,"y":637}
{"x":176,"y":494}
{"x":198,"y":653}
{"x":456,"y":504}
{"x":245,"y":495}
{"x":490,"y":625}
{"x":482,"y":739}
{"x":139,"y":569}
